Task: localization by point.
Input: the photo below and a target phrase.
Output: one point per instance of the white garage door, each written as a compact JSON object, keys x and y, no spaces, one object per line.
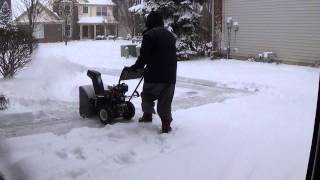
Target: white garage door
{"x":290,"y":28}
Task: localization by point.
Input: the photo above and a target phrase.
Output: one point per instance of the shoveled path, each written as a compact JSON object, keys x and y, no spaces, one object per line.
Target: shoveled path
{"x":65,"y":116}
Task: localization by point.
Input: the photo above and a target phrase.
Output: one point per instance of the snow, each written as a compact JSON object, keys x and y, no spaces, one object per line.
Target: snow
{"x":265,"y":55}
{"x":232,"y":120}
{"x":136,"y":8}
{"x":96,"y":19}
{"x":97,"y":2}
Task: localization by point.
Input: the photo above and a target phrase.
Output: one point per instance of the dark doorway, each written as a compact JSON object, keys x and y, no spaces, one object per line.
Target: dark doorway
{"x":85,"y":32}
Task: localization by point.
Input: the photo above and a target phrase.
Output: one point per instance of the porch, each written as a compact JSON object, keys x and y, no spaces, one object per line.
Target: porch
{"x":92,"y":31}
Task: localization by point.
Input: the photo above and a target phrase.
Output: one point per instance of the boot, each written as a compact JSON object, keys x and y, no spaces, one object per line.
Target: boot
{"x":146,"y":118}
{"x":166,"y":128}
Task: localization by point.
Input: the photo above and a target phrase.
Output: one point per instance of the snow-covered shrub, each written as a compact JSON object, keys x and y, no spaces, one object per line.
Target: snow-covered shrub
{"x":16,"y":45}
{"x":15,"y":51}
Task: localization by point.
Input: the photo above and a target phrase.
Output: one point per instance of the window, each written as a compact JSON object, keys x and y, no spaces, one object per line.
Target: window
{"x":85,"y":9}
{"x":67,"y":9}
{"x":38,"y":32}
{"x":38,"y":10}
{"x":101,"y":11}
{"x":100,"y":30}
{"x":67,"y":30}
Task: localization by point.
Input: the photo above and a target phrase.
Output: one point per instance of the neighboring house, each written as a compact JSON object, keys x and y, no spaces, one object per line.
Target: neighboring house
{"x":96,"y":18}
{"x":48,"y":24}
{"x":67,"y":10}
{"x":289,"y":28}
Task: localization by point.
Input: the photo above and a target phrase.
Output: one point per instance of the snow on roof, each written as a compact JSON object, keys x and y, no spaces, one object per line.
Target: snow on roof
{"x":18,"y":6}
{"x":97,"y":2}
{"x":136,"y":8}
{"x":96,"y":19}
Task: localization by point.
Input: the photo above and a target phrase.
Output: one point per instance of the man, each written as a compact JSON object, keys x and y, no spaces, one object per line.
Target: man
{"x":158,"y":56}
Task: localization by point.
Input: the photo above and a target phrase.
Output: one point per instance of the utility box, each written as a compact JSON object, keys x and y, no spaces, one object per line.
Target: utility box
{"x":131,"y":50}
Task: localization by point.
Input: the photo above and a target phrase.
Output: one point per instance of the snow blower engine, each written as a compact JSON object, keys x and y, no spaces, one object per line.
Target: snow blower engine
{"x":111,"y":103}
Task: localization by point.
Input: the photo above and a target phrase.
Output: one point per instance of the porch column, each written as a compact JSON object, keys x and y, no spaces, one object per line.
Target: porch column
{"x":94,"y":31}
{"x":81,"y":31}
{"x":105,"y":30}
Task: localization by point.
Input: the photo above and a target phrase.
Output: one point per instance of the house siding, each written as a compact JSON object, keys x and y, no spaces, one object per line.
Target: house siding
{"x":289,"y":28}
{"x":52,"y":33}
{"x":93,"y":10}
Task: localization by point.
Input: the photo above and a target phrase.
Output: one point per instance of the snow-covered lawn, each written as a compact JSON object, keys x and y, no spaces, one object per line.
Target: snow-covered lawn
{"x":233,"y":120}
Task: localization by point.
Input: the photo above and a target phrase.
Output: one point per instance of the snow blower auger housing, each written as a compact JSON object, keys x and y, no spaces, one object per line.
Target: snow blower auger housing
{"x":107,"y":104}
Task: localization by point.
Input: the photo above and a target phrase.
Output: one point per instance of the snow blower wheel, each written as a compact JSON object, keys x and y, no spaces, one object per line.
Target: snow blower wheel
{"x":105,"y":115}
{"x":130,"y":111}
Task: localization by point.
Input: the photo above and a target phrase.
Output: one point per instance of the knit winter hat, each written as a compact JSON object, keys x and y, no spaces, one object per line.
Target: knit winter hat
{"x":154,"y":19}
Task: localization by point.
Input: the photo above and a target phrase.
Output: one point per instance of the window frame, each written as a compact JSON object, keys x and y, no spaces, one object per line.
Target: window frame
{"x":38,"y":32}
{"x":67,"y":9}
{"x":67,"y":30}
{"x":85,"y":9}
{"x":101,"y":11}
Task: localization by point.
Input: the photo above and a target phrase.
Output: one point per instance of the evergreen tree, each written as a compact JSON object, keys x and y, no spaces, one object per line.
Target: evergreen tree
{"x":180,"y":18}
{"x":5,"y":17}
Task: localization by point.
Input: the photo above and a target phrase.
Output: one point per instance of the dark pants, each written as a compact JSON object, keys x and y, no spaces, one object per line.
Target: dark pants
{"x":158,"y":91}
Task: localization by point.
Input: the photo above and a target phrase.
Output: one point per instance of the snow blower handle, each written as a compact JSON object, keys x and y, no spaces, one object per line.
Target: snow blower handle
{"x":127,"y":74}
{"x":135,"y":92}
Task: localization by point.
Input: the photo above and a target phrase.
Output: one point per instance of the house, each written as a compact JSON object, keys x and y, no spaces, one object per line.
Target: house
{"x":96,"y":18}
{"x":288,"y":28}
{"x":72,"y":19}
{"x":48,"y":27}
{"x":67,"y":10}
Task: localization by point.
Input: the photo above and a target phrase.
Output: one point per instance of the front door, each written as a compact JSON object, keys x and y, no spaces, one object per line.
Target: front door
{"x":85,"y":32}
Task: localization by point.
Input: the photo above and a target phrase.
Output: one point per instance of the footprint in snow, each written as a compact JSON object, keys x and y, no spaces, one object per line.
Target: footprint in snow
{"x":78,"y":153}
{"x":62,"y":154}
{"x":125,"y":158}
{"x":75,"y":173}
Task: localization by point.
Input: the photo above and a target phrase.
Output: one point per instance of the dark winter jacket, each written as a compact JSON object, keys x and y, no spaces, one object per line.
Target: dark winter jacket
{"x":158,"y":53}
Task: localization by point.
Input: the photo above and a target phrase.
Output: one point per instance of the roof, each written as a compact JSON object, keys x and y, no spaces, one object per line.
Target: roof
{"x":18,"y":7}
{"x":97,"y":2}
{"x":45,"y":16}
{"x":96,"y":19}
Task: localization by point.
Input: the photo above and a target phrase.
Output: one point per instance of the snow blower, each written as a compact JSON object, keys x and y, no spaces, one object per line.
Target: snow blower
{"x":111,"y":103}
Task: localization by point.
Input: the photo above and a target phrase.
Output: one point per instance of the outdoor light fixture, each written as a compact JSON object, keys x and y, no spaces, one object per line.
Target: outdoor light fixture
{"x":231,"y":25}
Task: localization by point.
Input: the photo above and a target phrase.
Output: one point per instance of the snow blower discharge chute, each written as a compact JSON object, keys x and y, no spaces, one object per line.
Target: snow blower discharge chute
{"x":111,"y":103}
